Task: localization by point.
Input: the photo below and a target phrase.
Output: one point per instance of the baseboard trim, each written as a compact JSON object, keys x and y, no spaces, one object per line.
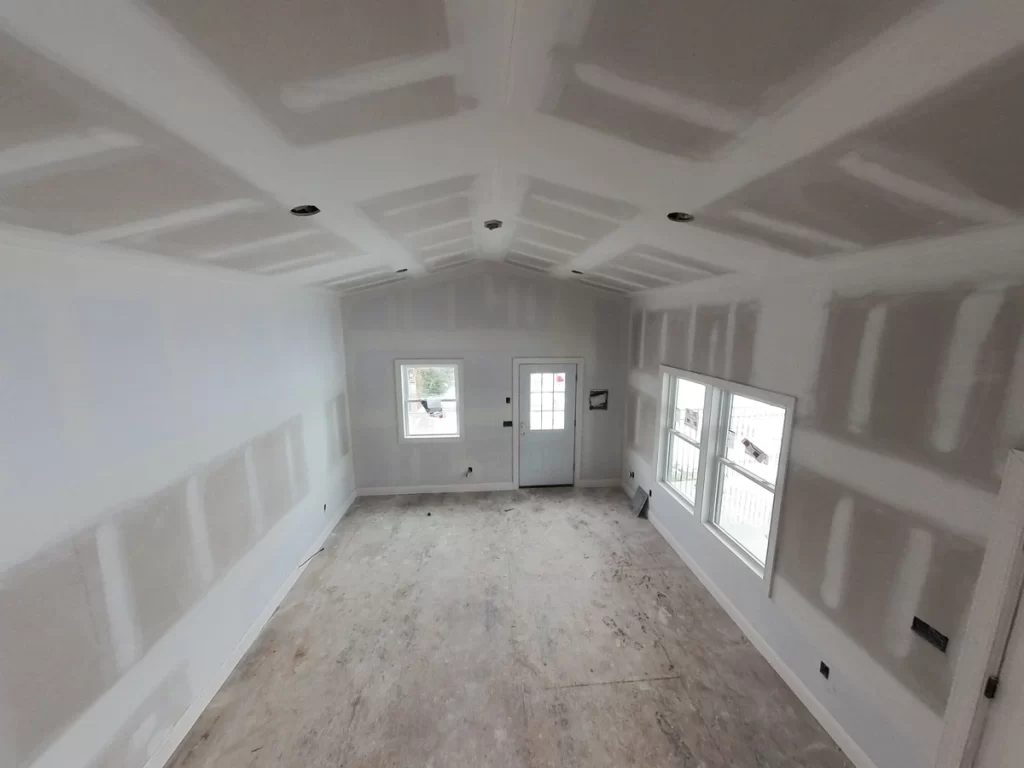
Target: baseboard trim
{"x":845,"y":742}
{"x":181,"y":729}
{"x":404,"y":490}
{"x":608,"y":482}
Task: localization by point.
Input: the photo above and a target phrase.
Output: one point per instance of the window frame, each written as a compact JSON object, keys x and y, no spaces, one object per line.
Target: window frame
{"x":402,"y":400}
{"x":713,"y":450}
{"x":668,"y":427}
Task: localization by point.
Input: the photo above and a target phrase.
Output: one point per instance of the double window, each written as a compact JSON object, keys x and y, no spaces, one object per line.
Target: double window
{"x":723,"y":457}
{"x":429,"y":399}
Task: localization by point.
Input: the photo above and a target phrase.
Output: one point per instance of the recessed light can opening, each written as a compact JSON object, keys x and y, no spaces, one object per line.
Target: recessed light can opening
{"x":305,"y":210}
{"x":680,"y":217}
{"x":576,"y":272}
{"x":400,"y":271}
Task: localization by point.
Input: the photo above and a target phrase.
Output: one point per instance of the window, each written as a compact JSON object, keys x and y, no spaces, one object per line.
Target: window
{"x":430,"y":399}
{"x":686,"y":428}
{"x":547,"y":401}
{"x":748,"y":467}
{"x":723,"y":457}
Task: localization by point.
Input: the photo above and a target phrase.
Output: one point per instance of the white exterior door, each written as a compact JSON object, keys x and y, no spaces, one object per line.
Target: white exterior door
{"x":547,"y":424}
{"x":1002,"y":743}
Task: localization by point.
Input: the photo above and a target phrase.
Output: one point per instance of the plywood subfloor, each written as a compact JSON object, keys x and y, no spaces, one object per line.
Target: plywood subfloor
{"x":539,"y":628}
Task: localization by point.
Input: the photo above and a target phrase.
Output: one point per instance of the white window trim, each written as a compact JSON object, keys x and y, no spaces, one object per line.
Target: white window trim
{"x":711,"y":460}
{"x":402,"y":406}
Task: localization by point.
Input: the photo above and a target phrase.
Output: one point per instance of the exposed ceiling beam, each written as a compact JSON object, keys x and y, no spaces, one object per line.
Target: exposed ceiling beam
{"x":727,"y":253}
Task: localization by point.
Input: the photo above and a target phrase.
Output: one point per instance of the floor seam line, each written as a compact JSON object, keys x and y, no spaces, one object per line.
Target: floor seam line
{"x":613,"y":682}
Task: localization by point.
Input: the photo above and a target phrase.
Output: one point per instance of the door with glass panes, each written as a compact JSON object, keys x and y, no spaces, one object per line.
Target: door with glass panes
{"x":547,"y":423}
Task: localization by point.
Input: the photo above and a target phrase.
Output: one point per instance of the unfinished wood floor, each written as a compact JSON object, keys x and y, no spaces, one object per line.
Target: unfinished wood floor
{"x":531,"y":628}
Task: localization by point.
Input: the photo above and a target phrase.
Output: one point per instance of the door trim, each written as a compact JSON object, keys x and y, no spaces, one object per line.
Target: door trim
{"x":578,"y":417}
{"x":989,"y":621}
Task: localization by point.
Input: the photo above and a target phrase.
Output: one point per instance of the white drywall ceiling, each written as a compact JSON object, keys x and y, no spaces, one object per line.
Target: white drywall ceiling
{"x":798,"y":137}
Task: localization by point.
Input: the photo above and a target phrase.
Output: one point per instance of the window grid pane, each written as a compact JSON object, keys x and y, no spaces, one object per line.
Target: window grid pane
{"x":682,"y":467}
{"x":688,"y":408}
{"x":744,"y":512}
{"x":754,"y":437}
{"x":547,"y":401}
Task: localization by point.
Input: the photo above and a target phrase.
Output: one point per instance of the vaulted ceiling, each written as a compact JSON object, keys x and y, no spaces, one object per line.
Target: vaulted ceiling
{"x":799,"y":135}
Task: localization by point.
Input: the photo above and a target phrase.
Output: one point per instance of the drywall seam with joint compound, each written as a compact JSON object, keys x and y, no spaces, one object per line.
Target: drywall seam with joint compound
{"x":76,"y":289}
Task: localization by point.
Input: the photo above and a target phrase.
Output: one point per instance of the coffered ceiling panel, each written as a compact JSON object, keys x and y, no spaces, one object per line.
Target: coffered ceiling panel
{"x":321,"y":69}
{"x":934,"y":169}
{"x":72,"y":201}
{"x":648,"y":267}
{"x":433,"y":220}
{"x":557,"y":223}
{"x":659,"y":74}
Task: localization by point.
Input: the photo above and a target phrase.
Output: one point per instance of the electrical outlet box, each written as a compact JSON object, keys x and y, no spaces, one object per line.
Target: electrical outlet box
{"x":929,"y":634}
{"x":823,"y":668}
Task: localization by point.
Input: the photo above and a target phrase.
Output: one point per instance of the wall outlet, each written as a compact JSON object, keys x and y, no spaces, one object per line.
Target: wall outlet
{"x":631,"y":475}
{"x":823,"y":668}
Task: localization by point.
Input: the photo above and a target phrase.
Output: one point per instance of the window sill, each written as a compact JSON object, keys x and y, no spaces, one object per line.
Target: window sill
{"x":430,"y":439}
{"x":736,"y":549}
{"x":677,"y":497}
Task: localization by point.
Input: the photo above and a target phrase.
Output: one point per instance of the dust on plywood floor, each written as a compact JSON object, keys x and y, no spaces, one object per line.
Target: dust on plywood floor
{"x":527,"y":628}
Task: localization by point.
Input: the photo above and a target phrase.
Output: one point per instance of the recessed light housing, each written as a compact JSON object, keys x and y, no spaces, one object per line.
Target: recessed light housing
{"x":576,"y":272}
{"x":305,"y":210}
{"x":400,"y":271}
{"x":680,"y":217}
{"x":492,"y":224}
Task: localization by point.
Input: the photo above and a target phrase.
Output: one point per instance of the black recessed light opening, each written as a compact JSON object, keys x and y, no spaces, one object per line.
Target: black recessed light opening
{"x":576,"y":272}
{"x":680,"y":218}
{"x":492,"y":224}
{"x":400,"y":271}
{"x":305,"y":210}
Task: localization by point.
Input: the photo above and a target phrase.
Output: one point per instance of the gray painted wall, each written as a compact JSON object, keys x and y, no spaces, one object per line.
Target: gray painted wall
{"x":170,"y":439}
{"x":909,"y":392}
{"x":485,"y":315}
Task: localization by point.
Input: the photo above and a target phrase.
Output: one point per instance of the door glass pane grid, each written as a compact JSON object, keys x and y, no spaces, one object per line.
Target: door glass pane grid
{"x":744,"y":512}
{"x":683,"y":466}
{"x":760,"y":425}
{"x":547,"y":401}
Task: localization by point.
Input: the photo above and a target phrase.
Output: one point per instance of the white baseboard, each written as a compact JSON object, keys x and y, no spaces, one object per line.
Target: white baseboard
{"x":846,"y":743}
{"x":192,"y":714}
{"x":403,"y":490}
{"x":608,"y":482}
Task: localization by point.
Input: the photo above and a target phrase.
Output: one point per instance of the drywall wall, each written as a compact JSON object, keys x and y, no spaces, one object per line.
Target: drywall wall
{"x":485,"y":315}
{"x":908,"y":374}
{"x":171,"y":437}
